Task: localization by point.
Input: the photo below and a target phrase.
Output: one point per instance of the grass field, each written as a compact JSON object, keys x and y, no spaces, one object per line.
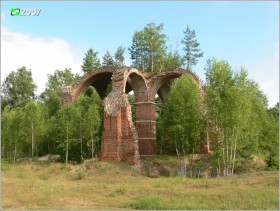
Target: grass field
{"x":107,"y":186}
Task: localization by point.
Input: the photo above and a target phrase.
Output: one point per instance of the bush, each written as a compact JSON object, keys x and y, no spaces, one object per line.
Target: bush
{"x":6,"y":166}
{"x":272,"y":161}
{"x":80,"y":175}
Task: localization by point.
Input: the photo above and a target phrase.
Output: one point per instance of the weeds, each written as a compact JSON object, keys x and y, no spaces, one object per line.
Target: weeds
{"x":206,"y":181}
{"x":120,"y":191}
{"x":80,"y":175}
{"x":150,"y":203}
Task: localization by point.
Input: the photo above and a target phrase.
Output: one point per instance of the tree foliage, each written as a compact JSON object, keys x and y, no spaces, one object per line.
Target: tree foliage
{"x":107,"y":59}
{"x":149,"y":48}
{"x":192,"y":52}
{"x":182,"y":119}
{"x":19,"y":88}
{"x":173,"y":61}
{"x":119,"y":57}
{"x":238,"y":108}
{"x":182,"y":116}
{"x":91,"y":61}
{"x":56,"y":81}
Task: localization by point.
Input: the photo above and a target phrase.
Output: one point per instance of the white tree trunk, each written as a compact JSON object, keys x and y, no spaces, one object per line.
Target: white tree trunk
{"x":92,"y":147}
{"x":234,"y":152}
{"x":15,"y":153}
{"x":66,"y":159}
{"x":32,"y":138}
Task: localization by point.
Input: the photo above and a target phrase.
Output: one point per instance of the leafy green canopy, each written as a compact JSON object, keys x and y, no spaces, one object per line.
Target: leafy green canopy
{"x":181,"y":116}
{"x":19,"y":88}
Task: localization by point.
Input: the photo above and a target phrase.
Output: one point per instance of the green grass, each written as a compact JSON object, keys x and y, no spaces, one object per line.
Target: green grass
{"x":89,"y":186}
{"x":6,"y":166}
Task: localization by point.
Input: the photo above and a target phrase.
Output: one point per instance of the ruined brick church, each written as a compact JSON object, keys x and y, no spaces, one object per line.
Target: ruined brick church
{"x":122,"y":139}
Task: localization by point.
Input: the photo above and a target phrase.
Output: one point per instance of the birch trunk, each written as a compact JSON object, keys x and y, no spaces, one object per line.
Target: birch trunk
{"x":66,"y":159}
{"x":224,"y":160}
{"x":10,"y":150}
{"x":234,"y":152}
{"x":92,"y":148}
{"x":152,"y":63}
{"x":15,"y":153}
{"x":81,"y":140}
{"x":32,"y":139}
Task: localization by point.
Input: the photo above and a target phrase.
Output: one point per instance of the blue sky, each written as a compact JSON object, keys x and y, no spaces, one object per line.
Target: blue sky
{"x":243,"y":33}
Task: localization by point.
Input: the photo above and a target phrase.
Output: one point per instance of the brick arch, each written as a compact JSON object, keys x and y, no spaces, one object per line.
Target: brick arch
{"x":162,"y":79}
{"x":70,"y":92}
{"x":137,"y":82}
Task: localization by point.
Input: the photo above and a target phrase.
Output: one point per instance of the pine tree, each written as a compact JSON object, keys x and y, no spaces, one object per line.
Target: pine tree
{"x":91,"y":62}
{"x":192,"y":52}
{"x":107,"y":59}
{"x":119,"y":57}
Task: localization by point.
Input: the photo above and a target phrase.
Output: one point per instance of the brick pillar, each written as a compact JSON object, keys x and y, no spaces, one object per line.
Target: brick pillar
{"x":146,"y":127}
{"x":111,"y":139}
{"x":129,"y":137}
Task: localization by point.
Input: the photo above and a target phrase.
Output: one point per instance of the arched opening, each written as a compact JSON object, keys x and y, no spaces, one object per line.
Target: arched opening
{"x":102,"y":83}
{"x":162,"y":89}
{"x":144,"y":122}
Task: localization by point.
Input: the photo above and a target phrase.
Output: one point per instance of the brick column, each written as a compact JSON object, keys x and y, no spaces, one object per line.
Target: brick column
{"x":146,"y":127}
{"x":111,"y":139}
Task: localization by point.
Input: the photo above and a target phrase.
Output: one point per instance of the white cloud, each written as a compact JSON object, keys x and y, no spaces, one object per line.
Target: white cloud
{"x":266,"y":73}
{"x":43,"y":55}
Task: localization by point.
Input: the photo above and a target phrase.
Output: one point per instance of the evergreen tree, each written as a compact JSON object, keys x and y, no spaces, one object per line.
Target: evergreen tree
{"x":91,"y":61}
{"x":107,"y":59}
{"x":192,"y":52}
{"x":119,"y":57}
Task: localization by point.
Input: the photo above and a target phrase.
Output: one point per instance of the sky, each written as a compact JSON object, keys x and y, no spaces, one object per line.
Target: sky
{"x":245,"y":33}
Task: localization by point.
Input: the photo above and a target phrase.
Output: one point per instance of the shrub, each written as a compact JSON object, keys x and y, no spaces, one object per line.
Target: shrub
{"x":6,"y":166}
{"x":81,"y":175}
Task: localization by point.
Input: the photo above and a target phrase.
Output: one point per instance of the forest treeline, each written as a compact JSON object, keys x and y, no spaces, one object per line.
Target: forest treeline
{"x":235,"y":110}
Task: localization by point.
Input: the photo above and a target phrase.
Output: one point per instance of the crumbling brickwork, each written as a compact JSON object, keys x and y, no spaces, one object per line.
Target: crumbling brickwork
{"x":121,"y":139}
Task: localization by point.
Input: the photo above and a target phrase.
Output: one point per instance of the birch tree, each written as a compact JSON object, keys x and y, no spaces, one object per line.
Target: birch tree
{"x":67,"y":126}
{"x":182,"y":118}
{"x":92,"y":126}
{"x":35,"y":126}
{"x":237,"y":107}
